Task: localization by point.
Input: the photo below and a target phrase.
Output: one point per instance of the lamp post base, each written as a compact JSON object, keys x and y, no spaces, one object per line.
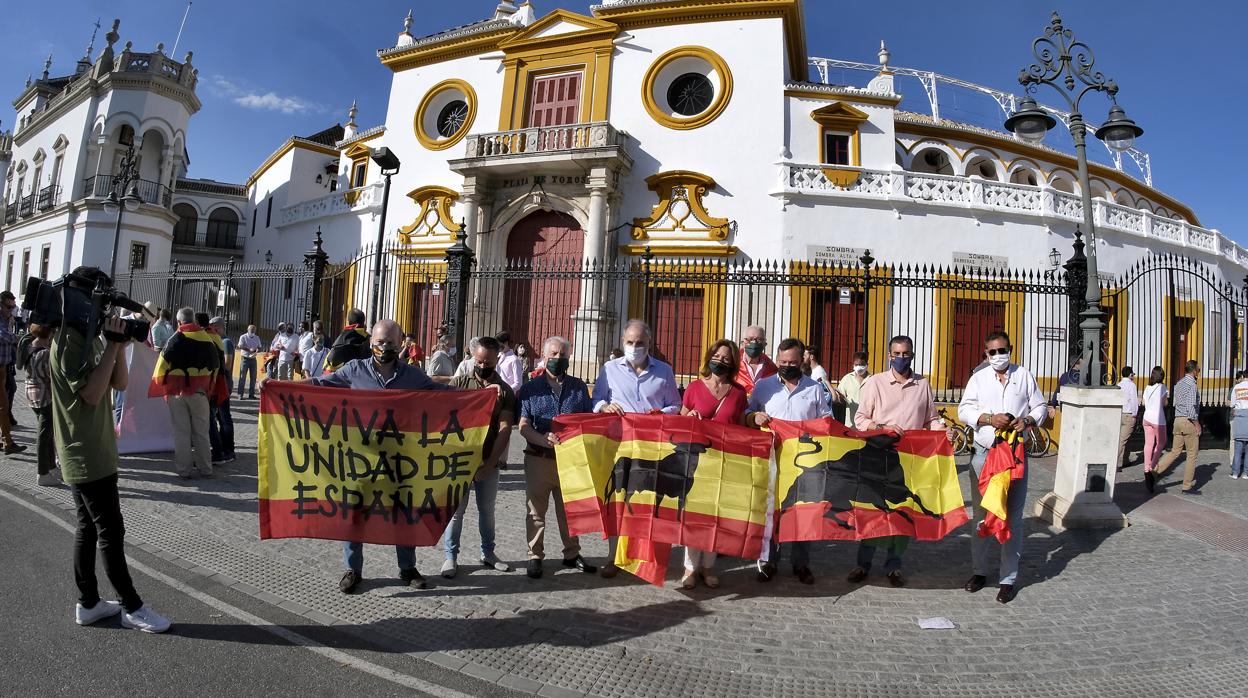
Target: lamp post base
{"x":1087,"y":461}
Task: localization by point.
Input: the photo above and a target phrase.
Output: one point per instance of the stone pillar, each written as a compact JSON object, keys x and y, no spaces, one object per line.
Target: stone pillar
{"x":478,"y":311}
{"x":592,"y":319}
{"x":1087,"y":462}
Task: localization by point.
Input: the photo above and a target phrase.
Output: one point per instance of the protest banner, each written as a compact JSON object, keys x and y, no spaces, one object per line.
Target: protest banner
{"x":835,"y":483}
{"x":663,"y":480}
{"x":383,"y":466}
{"x":145,"y":425}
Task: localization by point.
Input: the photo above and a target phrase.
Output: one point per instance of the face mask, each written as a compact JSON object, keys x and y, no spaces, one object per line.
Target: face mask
{"x":755,"y":349}
{"x":860,"y":369}
{"x":484,"y":372}
{"x":999,"y":362}
{"x":790,"y":373}
{"x":635,"y":354}
{"x":719,"y":368}
{"x":901,"y":364}
{"x":385,"y":353}
{"x":557,"y":366}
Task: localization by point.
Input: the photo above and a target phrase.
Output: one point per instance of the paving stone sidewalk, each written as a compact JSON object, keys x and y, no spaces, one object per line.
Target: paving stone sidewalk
{"x":1160,"y":608}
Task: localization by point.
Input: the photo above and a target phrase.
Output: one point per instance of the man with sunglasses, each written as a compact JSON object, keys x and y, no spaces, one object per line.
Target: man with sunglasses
{"x":1002,"y":396}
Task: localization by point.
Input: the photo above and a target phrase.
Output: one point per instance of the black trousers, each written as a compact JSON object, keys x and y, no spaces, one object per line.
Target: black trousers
{"x":45,"y":448}
{"x":99,"y":521}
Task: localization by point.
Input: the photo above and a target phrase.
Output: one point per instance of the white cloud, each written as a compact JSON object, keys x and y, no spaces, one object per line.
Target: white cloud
{"x":267,"y":101}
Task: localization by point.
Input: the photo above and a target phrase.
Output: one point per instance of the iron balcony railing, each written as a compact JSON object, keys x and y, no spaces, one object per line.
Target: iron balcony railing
{"x":49,"y":196}
{"x":27,"y":206}
{"x":151,"y":192}
{"x":10,"y":213}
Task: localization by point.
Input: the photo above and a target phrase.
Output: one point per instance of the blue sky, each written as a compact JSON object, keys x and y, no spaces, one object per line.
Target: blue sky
{"x":273,"y":68}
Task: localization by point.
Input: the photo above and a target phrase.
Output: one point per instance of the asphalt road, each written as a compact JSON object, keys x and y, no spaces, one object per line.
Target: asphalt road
{"x":209,"y":650}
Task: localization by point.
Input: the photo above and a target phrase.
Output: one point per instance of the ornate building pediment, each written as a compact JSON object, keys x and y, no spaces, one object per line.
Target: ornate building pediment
{"x":680,"y":223}
{"x":433,"y":229}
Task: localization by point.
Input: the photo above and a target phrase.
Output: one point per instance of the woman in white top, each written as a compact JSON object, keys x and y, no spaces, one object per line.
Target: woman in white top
{"x":1154,"y":423}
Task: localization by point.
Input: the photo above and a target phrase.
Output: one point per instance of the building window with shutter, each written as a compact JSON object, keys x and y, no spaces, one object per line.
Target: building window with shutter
{"x":835,"y":148}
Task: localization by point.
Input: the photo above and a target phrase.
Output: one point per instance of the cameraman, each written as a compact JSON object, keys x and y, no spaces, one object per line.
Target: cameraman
{"x":82,"y":416}
{"x":8,"y":355}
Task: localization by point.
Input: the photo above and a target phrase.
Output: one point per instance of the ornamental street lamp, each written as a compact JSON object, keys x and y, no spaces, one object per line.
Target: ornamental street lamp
{"x":389,"y":164}
{"x":125,"y":181}
{"x":1065,"y":64}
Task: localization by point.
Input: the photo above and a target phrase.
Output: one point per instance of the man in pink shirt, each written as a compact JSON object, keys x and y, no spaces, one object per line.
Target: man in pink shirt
{"x":897,"y":399}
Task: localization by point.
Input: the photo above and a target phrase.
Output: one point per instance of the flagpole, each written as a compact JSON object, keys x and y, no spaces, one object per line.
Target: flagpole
{"x":181,"y":26}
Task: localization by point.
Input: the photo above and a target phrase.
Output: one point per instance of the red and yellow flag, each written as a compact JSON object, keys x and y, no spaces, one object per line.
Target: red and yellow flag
{"x":665,"y":480}
{"x":373,"y":466}
{"x":835,"y":483}
{"x":1006,"y":461}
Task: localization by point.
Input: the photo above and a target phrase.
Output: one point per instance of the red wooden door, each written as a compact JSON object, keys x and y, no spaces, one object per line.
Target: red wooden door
{"x":972,"y":321}
{"x":1180,"y":329}
{"x":556,"y":100}
{"x":538,"y":302}
{"x":837,"y":327}
{"x":676,"y":320}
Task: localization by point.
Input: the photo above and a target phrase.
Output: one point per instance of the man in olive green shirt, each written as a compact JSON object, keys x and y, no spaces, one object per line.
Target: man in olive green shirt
{"x":82,"y":418}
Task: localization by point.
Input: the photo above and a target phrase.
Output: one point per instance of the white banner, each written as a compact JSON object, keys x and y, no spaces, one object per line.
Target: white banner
{"x":145,"y":425}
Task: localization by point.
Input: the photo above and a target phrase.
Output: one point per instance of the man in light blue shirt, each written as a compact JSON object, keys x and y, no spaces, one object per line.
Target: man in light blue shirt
{"x":634,"y":383}
{"x":792,"y":396}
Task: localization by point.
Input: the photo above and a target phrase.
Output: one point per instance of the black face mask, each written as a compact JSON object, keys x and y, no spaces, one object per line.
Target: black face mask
{"x":719,"y":368}
{"x":385,"y":354}
{"x":790,"y":373}
{"x":557,"y":366}
{"x":754,"y":349}
{"x":484,"y":372}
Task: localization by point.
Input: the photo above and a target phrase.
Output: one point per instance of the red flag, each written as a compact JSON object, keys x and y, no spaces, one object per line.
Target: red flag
{"x":1006,"y":461}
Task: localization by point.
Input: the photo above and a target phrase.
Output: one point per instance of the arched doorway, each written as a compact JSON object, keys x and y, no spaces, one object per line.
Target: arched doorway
{"x":538,"y":301}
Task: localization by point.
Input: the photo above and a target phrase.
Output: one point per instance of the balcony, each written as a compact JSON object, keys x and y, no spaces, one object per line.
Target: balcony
{"x":10,"y":213}
{"x":26,"y":206}
{"x":151,"y":192}
{"x":49,"y":197}
{"x":569,"y":148}
{"x":974,"y":195}
{"x":364,"y":198}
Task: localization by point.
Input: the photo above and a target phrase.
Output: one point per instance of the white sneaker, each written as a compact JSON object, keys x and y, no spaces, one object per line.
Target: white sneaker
{"x":1233,"y":477}
{"x":449,"y":569}
{"x":101,"y":610}
{"x":145,"y":619}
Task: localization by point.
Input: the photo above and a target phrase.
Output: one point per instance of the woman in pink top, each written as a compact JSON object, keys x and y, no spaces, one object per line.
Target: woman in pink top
{"x":714,"y":397}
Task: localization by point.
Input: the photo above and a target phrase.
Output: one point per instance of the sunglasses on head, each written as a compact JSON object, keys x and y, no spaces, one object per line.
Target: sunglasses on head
{"x":996,"y":352}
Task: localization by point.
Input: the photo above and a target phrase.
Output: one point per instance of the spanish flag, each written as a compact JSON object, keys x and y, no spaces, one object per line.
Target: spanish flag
{"x":1006,"y":461}
{"x":663,"y":480}
{"x":372,"y":466}
{"x":190,"y":363}
{"x":835,"y":483}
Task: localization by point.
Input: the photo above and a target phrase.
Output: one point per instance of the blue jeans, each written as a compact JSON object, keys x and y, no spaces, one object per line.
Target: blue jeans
{"x":353,"y":557}
{"x":1012,"y":550}
{"x":247,"y":368}
{"x":119,"y":402}
{"x":221,"y":431}
{"x":1239,"y":452}
{"x":487,"y":491}
{"x":892,"y":548}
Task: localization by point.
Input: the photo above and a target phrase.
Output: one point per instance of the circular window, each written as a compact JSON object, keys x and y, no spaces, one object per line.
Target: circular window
{"x":445,"y":114}
{"x":452,"y":118}
{"x":690,"y":94}
{"x":687,"y":88}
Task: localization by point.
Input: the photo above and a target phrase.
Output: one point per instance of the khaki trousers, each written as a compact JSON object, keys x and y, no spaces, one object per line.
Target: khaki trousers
{"x":1128,"y":426}
{"x":1185,"y":439}
{"x":189,"y":414}
{"x":541,"y":482}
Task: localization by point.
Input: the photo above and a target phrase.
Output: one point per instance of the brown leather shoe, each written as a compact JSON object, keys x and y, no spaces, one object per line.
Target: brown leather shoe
{"x":856,"y":575}
{"x":1006,"y":593}
{"x":896,"y":579}
{"x":975,"y":583}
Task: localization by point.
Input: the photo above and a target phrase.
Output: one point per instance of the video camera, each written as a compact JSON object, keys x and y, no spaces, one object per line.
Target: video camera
{"x":82,"y":302}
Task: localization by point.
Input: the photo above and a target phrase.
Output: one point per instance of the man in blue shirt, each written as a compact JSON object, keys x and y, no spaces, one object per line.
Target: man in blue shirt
{"x":634,"y":383}
{"x":382,"y":371}
{"x":792,"y":396}
{"x":541,"y":400}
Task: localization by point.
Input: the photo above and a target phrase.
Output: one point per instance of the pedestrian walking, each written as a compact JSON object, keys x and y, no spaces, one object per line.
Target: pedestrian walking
{"x":350,"y":344}
{"x":39,"y":394}
{"x":286,"y":345}
{"x":1003,"y":398}
{"x":714,"y":397}
{"x":1154,"y":425}
{"x":494,"y":450}
{"x":898,"y":400}
{"x":542,"y":399}
{"x":314,"y":357}
{"x":1130,"y":413}
{"x":1187,"y":428}
{"x":162,"y":329}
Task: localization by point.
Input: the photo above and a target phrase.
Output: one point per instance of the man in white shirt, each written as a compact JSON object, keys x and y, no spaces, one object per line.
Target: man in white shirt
{"x":1001,"y":396}
{"x":1239,"y":426}
{"x":286,"y":345}
{"x":510,"y":369}
{"x":791,"y":396}
{"x":249,"y":345}
{"x":1130,"y":410}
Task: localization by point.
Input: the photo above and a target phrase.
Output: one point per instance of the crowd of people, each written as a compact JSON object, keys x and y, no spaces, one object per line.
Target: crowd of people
{"x":737,"y":384}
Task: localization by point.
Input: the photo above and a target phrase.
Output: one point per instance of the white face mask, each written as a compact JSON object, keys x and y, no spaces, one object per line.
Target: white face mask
{"x":860,"y":369}
{"x":999,"y":362}
{"x":635,"y":354}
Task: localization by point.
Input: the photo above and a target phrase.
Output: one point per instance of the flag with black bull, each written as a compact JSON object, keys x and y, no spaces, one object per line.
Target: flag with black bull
{"x":836,"y":483}
{"x":663,"y":480}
